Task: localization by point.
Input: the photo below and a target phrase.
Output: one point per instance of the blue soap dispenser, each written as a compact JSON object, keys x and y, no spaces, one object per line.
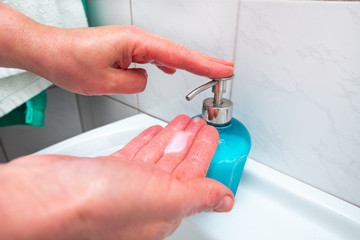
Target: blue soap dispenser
{"x":229,"y":160}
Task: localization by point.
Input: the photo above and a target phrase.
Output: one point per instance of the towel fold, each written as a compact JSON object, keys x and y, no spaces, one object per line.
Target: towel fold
{"x":18,"y":86}
{"x":17,"y":89}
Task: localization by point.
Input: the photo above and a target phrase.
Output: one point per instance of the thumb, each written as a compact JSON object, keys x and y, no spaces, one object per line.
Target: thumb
{"x":205,"y":194}
{"x":128,"y":81}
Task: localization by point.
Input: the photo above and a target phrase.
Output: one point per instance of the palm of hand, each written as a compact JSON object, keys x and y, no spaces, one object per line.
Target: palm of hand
{"x":140,"y":192}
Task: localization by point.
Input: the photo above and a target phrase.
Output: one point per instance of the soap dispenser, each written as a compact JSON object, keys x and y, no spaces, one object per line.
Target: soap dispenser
{"x":229,"y":160}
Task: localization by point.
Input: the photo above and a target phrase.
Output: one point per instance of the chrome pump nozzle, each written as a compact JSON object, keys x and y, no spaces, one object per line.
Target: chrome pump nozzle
{"x":216,"y":110}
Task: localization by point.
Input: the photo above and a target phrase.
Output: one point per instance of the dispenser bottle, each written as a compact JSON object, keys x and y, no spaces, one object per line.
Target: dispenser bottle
{"x":228,"y":163}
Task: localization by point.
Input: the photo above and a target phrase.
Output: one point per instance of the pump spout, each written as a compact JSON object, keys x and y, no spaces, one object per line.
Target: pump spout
{"x":200,"y":89}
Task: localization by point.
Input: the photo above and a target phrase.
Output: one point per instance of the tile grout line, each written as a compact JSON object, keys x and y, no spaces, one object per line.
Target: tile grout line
{"x":153,"y":116}
{"x":237,"y":20}
{"x":4,"y":151}
{"x":137,"y":103}
{"x":119,"y":101}
{"x":132,"y":107}
{"x":132,"y":24}
{"x":131,"y":13}
{"x":79,"y":113}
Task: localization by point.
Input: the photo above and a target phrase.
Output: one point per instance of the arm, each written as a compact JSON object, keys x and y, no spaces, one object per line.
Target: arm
{"x":99,"y":57}
{"x":17,"y":38}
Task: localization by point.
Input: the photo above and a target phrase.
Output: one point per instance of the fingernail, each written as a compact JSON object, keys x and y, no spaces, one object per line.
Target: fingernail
{"x":226,"y":204}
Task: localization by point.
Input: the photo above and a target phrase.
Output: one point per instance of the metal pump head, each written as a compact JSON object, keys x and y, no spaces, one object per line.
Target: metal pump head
{"x":216,"y":110}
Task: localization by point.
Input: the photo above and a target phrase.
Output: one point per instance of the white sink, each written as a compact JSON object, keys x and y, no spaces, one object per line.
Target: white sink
{"x":268,"y":204}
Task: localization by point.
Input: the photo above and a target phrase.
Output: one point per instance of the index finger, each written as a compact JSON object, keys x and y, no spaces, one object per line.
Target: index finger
{"x":155,"y":48}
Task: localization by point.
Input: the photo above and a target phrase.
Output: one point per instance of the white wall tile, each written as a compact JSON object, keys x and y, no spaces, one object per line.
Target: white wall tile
{"x":202,"y":25}
{"x":297,"y":89}
{"x":103,"y":110}
{"x":61,"y":122}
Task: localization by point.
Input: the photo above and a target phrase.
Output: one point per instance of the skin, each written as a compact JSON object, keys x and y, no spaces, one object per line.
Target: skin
{"x":139,"y":192}
{"x":95,"y":61}
{"x":136,"y":193}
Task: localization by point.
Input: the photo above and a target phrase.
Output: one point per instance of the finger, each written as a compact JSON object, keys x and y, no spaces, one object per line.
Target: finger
{"x":126,"y":81}
{"x":198,"y":159}
{"x":202,"y":194}
{"x":171,"y":54}
{"x":154,"y":150}
{"x":166,"y":69}
{"x":129,"y":151}
{"x":179,"y":146}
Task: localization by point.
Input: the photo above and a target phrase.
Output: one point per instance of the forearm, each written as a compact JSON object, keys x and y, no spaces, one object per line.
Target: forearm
{"x":21,"y":39}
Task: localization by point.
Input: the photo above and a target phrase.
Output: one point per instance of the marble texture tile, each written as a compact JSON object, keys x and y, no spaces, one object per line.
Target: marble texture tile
{"x":100,"y":110}
{"x":202,"y":25}
{"x":297,"y":89}
{"x":61,"y":122}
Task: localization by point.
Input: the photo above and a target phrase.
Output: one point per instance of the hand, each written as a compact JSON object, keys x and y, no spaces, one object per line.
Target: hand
{"x":142,"y":191}
{"x":96,"y":60}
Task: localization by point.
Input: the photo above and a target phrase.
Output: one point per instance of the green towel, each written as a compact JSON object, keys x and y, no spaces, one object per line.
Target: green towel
{"x":30,"y":113}
{"x":85,"y":9}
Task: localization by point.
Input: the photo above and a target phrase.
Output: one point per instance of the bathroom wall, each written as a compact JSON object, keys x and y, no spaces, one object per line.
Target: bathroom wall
{"x":297,"y":84}
{"x":298,"y":90}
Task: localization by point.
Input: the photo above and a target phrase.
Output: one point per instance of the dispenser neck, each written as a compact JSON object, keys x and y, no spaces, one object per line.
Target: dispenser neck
{"x":218,"y":91}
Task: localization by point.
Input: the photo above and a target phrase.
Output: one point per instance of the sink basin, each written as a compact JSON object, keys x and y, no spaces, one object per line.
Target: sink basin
{"x":268,"y":204}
